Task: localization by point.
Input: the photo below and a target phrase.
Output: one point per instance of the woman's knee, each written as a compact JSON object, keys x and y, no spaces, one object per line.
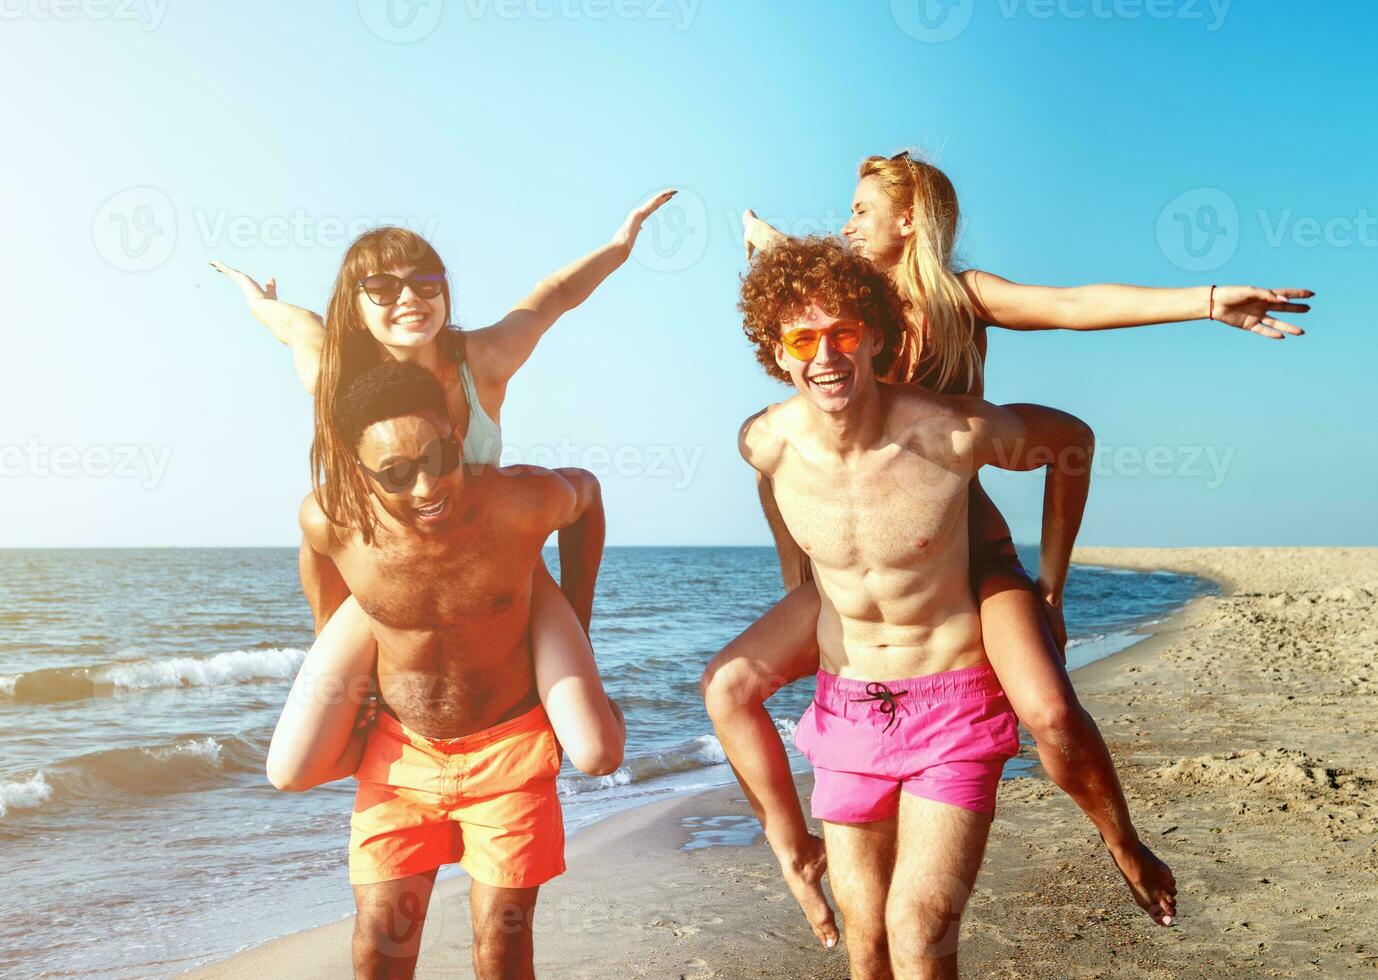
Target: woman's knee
{"x":1052,"y":716}
{"x":730,"y":683}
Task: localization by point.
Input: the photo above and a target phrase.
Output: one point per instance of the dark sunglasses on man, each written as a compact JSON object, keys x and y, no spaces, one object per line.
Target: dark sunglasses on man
{"x":385,"y":288}
{"x":442,"y":457}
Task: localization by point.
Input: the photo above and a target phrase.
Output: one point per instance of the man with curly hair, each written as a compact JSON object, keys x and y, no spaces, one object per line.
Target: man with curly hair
{"x":909,"y":729}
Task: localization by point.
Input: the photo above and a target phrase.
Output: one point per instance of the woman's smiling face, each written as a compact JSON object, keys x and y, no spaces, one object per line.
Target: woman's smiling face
{"x":409,"y":320}
{"x":875,"y":228}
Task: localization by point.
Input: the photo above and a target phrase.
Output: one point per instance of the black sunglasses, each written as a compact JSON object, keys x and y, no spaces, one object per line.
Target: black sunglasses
{"x":384,"y":288}
{"x":441,"y":459}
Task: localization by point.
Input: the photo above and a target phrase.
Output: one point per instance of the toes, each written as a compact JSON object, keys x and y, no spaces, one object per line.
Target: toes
{"x":826,"y":930}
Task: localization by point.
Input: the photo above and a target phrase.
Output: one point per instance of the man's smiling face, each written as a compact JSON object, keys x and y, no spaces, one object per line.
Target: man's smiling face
{"x":827,"y":357}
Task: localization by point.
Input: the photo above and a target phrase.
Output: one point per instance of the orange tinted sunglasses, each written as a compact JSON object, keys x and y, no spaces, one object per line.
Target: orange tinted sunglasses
{"x":803,"y":343}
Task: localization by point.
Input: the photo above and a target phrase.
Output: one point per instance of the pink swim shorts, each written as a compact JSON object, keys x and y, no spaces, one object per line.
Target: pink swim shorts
{"x":943,"y":737}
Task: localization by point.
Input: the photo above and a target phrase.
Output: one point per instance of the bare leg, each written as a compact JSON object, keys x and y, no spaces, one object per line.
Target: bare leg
{"x":862,"y":860}
{"x":317,"y":738}
{"x":1070,"y":747}
{"x":502,"y":919}
{"x":387,"y":926}
{"x":777,"y":649}
{"x":587,"y":722}
{"x":936,"y":863}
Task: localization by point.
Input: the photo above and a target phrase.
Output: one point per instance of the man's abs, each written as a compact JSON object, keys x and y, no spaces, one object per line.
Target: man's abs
{"x":928,"y":627}
{"x":452,"y":682}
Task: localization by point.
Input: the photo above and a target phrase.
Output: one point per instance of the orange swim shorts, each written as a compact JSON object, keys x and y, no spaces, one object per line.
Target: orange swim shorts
{"x":486,"y":800}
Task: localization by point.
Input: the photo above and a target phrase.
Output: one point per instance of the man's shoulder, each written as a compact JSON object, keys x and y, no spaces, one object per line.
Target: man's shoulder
{"x":321,"y":535}
{"x":524,"y":489}
{"x":935,"y":424}
{"x":912,"y":405}
{"x":765,"y":434}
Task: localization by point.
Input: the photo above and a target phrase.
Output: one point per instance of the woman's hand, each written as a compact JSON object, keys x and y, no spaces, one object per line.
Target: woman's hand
{"x":1250,"y":308}
{"x":625,"y":237}
{"x":756,"y":234}
{"x":1052,"y":611}
{"x":253,"y":292}
{"x":368,"y":713}
{"x":300,"y":329}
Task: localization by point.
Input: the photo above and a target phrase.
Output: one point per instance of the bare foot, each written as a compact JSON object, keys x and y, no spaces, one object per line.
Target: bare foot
{"x":804,"y":875}
{"x":1150,"y":881}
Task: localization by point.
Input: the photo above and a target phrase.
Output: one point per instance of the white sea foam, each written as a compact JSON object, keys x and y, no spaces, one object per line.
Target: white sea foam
{"x":204,"y":748}
{"x":25,"y":794}
{"x":7,"y":683}
{"x":707,"y":750}
{"x":223,"y":668}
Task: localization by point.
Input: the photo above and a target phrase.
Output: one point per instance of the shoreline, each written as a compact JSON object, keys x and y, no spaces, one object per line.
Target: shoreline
{"x":607,"y":905}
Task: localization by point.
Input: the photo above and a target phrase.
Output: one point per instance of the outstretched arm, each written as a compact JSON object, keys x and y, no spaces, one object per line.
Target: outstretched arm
{"x":497,"y":352}
{"x":300,"y":329}
{"x":1103,"y":307}
{"x":1028,"y":437}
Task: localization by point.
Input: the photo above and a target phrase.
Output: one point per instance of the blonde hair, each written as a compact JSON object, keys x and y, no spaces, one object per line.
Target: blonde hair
{"x":939,"y":348}
{"x":348,"y":351}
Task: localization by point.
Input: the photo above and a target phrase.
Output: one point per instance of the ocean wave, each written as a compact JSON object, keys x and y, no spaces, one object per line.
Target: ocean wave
{"x":49,"y":685}
{"x":695,"y":753}
{"x":1076,"y":641}
{"x":188,"y":764}
{"x":25,"y":794}
{"x":700,"y":752}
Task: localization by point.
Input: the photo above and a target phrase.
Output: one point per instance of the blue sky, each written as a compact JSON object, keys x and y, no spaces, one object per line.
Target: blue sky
{"x":142,"y":405}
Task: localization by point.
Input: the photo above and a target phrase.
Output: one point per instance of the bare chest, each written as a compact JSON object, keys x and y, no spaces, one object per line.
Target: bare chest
{"x":891,"y":510}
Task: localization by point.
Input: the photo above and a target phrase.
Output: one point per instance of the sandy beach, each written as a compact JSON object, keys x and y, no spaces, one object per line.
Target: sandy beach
{"x":1239,"y":725}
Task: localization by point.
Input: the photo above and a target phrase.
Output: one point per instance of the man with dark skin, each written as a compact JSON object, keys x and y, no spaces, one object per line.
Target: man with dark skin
{"x":461,"y":762}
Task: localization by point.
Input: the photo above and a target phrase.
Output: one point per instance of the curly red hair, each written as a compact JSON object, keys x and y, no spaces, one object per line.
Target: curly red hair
{"x":793,"y":274}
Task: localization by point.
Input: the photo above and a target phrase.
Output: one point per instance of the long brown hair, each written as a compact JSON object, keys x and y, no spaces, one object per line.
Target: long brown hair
{"x":940,"y":338}
{"x":348,"y":351}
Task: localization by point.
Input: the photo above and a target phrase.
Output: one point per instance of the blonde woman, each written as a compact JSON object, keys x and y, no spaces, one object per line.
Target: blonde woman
{"x":905,"y":219}
{"x":392,"y":299}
